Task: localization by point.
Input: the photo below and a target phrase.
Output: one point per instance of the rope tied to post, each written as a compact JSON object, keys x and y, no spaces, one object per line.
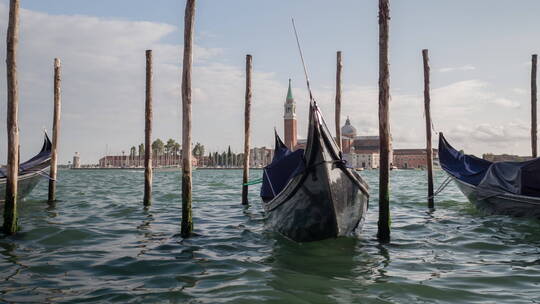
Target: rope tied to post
{"x":253,"y":182}
{"x":442,"y":186}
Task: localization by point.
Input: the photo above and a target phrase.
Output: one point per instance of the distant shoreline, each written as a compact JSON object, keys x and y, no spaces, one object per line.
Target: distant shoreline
{"x":160,"y":168}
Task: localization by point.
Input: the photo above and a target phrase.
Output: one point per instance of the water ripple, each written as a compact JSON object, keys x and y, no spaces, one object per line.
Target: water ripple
{"x":100,"y":245}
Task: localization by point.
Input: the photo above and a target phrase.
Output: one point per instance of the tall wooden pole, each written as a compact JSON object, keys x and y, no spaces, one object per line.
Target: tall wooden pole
{"x":10,"y":206}
{"x":147,"y":200}
{"x":247,"y":131}
{"x":383,"y":233}
{"x":427,"y":110}
{"x":56,"y":130}
{"x":187,"y":220}
{"x":533,"y":107}
{"x":338,"y":99}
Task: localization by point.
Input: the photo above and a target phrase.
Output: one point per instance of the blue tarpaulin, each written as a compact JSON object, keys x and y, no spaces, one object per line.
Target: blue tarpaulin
{"x":521,"y":178}
{"x":285,"y":165}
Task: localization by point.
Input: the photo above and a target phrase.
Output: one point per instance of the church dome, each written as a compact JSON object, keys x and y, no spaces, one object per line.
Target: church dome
{"x":348,"y":130}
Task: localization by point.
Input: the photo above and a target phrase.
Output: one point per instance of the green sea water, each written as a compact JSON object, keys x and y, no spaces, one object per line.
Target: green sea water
{"x":98,"y":244}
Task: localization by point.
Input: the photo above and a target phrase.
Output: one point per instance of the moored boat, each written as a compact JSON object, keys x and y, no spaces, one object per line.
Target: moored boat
{"x":30,"y":172}
{"x":311,"y":194}
{"x":508,"y":188}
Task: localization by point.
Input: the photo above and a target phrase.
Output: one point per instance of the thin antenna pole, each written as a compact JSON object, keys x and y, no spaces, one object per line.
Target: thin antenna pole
{"x":302,"y":57}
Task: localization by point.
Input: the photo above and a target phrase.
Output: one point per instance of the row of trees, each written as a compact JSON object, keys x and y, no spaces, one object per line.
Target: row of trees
{"x":224,"y":159}
{"x":171,"y":148}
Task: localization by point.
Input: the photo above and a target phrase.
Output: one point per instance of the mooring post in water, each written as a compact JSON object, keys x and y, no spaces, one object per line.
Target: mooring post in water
{"x":338,"y":98}
{"x":383,"y":233}
{"x":187,"y":220}
{"x":147,"y":200}
{"x":427,"y":110}
{"x":533,"y":107}
{"x":10,"y":206}
{"x":56,"y":130}
{"x":247,"y":126}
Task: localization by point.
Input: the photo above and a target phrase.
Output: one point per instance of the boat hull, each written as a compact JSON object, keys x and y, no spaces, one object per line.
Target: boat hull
{"x":26,"y":184}
{"x":327,"y":199}
{"x":503,"y":204}
{"x":317,"y":209}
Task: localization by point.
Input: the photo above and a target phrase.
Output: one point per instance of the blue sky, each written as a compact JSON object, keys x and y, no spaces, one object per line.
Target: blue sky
{"x":480,"y":57}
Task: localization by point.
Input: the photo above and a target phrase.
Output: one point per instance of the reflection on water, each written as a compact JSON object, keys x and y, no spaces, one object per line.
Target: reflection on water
{"x":99,"y":244}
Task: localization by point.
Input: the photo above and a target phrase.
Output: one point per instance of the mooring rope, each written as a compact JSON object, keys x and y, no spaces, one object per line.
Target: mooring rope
{"x":442,"y":187}
{"x":44,"y":175}
{"x":253,"y":182}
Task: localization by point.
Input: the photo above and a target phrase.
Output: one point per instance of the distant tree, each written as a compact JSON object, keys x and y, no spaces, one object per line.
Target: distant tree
{"x":169,"y":147}
{"x":158,"y":147}
{"x":198,"y":150}
{"x":177,"y":149}
{"x":240,"y":159}
{"x":141,"y":150}
{"x":229,"y":157}
{"x":132,"y":152}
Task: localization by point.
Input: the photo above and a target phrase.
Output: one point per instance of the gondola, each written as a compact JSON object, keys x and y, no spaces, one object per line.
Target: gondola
{"x":30,"y":172}
{"x":507,"y":188}
{"x":311,"y":194}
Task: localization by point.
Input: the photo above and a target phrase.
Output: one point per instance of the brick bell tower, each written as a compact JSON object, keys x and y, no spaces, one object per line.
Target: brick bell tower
{"x":289,"y":119}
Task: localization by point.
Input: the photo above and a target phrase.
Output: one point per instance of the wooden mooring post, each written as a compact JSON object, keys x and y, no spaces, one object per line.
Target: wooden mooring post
{"x":147,"y":199}
{"x":56,"y":130}
{"x":383,"y":233}
{"x":10,"y":206}
{"x":247,"y":129}
{"x":187,"y":220}
{"x":427,"y":112}
{"x":338,"y":98}
{"x":533,"y":107}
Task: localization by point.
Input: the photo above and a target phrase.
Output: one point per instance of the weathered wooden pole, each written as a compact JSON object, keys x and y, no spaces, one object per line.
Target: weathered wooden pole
{"x":10,"y":206}
{"x":187,"y":220}
{"x":147,"y":200}
{"x":56,"y":130}
{"x":533,"y":107}
{"x":427,"y":110}
{"x":247,"y":117}
{"x":338,"y":99}
{"x":383,"y":233}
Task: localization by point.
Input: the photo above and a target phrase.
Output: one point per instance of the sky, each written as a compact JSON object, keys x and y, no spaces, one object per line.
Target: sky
{"x":480,"y":53}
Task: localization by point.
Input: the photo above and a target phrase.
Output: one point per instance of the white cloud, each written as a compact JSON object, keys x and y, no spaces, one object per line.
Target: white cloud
{"x":459,"y":68}
{"x":103,"y":94}
{"x":520,"y":91}
{"x":103,"y":86}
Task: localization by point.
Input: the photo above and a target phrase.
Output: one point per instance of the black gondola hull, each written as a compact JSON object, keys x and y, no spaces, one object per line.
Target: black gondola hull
{"x":30,"y":172}
{"x":27,"y":183}
{"x":326,"y":200}
{"x":503,"y":204}
{"x":320,"y":208}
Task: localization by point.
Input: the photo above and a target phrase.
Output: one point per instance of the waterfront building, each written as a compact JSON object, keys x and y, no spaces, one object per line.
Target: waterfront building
{"x":413,"y":158}
{"x":260,"y":157}
{"x":362,"y":160}
{"x":505,"y":157}
{"x":360,"y":151}
{"x":76,"y":161}
{"x":135,"y":161}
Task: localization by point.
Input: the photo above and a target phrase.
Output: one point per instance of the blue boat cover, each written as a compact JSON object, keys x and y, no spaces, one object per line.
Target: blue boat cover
{"x":284,"y":166}
{"x":521,"y":178}
{"x":27,"y":166}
